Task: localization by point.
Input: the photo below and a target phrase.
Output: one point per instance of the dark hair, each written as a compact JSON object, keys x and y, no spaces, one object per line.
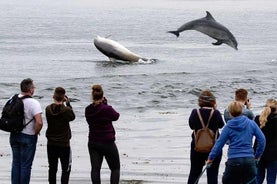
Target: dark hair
{"x":26,"y":85}
{"x":241,"y":94}
{"x":206,"y":99}
{"x":97,"y":92}
{"x":59,"y":94}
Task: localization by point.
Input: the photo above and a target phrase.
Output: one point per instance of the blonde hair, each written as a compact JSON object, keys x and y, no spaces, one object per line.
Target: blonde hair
{"x":271,"y":105}
{"x":235,"y":108}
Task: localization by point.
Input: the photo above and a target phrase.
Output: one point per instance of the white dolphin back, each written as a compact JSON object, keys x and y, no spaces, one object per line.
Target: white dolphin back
{"x":114,"y":50}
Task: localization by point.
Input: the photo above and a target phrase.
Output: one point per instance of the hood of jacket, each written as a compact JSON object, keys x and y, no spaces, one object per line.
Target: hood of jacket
{"x":56,"y":109}
{"x":238,"y":123}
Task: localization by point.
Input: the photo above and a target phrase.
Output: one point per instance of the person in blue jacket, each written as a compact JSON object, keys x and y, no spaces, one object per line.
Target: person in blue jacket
{"x":240,"y":130}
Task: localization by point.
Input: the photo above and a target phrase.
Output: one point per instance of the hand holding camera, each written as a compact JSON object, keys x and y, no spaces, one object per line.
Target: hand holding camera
{"x":67,"y":100}
{"x":104,"y":100}
{"x":247,"y":104}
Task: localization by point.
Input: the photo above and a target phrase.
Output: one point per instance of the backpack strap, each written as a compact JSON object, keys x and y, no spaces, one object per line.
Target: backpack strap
{"x":201,"y":119}
{"x":202,"y":122}
{"x":28,"y":123}
{"x":23,"y":97}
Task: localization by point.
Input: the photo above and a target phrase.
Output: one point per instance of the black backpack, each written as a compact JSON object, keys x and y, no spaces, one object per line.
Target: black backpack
{"x":12,"y":119}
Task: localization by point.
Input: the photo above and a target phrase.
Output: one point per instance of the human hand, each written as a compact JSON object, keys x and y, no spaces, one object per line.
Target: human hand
{"x":209,"y":161}
{"x":66,"y":98}
{"x":105,"y":101}
{"x":257,"y":161}
{"x":248,"y":104}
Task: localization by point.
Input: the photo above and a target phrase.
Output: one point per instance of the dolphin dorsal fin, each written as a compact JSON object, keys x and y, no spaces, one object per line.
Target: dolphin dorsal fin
{"x":209,"y":16}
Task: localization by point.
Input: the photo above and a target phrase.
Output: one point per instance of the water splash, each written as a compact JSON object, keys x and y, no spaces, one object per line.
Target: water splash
{"x":147,"y":61}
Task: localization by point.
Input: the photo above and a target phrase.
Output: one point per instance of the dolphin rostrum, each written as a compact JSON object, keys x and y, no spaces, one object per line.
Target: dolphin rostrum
{"x":209,"y":26}
{"x":115,"y":51}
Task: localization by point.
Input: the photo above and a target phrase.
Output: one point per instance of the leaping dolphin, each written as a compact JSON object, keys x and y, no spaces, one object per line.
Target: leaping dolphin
{"x":209,"y":26}
{"x":114,"y":50}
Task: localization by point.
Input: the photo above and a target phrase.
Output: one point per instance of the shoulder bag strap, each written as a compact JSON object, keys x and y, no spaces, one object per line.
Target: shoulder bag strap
{"x":23,"y":97}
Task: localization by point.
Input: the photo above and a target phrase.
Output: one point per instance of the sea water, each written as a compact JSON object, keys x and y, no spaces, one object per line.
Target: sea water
{"x":52,"y":43}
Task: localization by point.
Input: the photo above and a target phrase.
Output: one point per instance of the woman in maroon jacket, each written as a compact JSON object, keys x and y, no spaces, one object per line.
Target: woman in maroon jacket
{"x":101,"y":143}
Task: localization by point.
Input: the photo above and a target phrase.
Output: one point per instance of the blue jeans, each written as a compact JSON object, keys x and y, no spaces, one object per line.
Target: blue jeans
{"x":23,"y":150}
{"x":240,"y":171}
{"x":271,"y":172}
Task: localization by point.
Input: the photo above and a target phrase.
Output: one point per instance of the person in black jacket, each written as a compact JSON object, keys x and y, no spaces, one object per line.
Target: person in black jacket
{"x":268,"y":124}
{"x":58,"y":133}
{"x":207,"y":103}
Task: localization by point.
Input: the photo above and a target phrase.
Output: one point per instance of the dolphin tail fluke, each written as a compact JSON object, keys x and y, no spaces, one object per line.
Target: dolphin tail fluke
{"x":176,"y":33}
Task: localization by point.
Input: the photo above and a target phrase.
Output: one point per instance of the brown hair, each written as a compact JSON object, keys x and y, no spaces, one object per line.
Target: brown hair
{"x":97,"y":93}
{"x":271,"y":105}
{"x":241,"y":94}
{"x":235,"y":108}
{"x":59,"y":94}
{"x":206,"y":99}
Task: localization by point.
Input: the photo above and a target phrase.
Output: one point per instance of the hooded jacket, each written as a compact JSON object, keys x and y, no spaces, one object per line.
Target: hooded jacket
{"x":58,"y":117}
{"x":99,"y":118}
{"x":240,"y":131}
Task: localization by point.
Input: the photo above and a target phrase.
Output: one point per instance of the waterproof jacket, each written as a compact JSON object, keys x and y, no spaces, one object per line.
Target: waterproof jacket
{"x":99,"y":118}
{"x":240,"y":131}
{"x":58,"y":117}
{"x":270,"y":132}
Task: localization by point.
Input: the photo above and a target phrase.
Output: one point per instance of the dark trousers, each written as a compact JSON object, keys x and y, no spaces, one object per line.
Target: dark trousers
{"x":97,"y":152}
{"x":270,"y":169}
{"x":197,"y":162}
{"x":240,"y":170}
{"x":54,"y":154}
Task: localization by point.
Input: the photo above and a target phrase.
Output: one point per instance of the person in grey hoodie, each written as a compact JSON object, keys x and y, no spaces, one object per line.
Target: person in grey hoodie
{"x":58,"y":133}
{"x":241,"y":163}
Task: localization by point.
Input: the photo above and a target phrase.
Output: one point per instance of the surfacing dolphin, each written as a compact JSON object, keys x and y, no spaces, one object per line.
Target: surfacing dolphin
{"x":115,"y":51}
{"x":209,"y":26}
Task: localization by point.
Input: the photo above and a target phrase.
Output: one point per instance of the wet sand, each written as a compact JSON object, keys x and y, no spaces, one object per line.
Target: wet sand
{"x":156,"y":151}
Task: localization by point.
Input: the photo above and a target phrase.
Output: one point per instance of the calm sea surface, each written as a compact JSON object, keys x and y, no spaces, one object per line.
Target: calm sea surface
{"x":52,"y":43}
